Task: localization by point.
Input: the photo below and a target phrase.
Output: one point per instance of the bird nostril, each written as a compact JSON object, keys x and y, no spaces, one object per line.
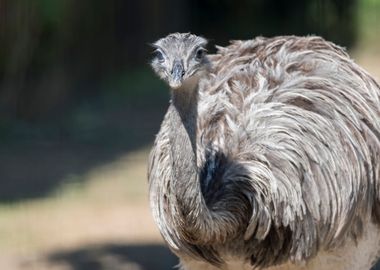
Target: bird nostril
{"x":178,"y":70}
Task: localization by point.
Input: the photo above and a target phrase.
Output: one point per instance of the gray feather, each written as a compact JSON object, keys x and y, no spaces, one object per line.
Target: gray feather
{"x":273,"y":156}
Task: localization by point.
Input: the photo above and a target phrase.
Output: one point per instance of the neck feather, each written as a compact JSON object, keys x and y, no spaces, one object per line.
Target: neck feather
{"x":190,"y":221}
{"x":186,"y":186}
{"x":193,"y":216}
{"x":184,"y":124}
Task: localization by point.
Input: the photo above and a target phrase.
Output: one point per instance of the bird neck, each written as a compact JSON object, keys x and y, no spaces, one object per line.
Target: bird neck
{"x":184,"y":123}
{"x":192,"y":217}
{"x":185,"y":186}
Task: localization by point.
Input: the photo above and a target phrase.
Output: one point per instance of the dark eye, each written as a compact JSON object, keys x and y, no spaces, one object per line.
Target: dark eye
{"x":157,"y":54}
{"x":200,"y":54}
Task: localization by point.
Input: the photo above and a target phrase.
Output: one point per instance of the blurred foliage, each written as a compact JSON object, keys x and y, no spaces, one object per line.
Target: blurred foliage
{"x":68,"y":61}
{"x":369,"y":30}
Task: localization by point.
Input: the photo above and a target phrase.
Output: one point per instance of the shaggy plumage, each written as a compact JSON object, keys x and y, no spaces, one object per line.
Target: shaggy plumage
{"x":271,"y":158}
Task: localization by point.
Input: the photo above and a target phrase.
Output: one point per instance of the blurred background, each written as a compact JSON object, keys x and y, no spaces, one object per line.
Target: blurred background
{"x":79,"y":108}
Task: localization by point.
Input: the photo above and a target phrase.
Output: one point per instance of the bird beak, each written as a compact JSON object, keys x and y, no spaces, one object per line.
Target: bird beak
{"x":177,"y":75}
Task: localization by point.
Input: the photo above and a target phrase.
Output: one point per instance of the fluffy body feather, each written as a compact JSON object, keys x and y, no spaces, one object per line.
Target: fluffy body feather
{"x":272,"y":161}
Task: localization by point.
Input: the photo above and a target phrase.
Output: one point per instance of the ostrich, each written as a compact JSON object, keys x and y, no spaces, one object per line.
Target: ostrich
{"x":268,"y":156}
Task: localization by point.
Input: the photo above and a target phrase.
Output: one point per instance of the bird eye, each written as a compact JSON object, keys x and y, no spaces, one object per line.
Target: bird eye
{"x":158,"y":55}
{"x":200,"y":54}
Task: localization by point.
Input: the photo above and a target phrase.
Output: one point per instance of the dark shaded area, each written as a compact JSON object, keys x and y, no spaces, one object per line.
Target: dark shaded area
{"x":34,"y":167}
{"x":334,"y":20}
{"x":121,"y":257}
{"x":75,"y":87}
{"x":117,"y":257}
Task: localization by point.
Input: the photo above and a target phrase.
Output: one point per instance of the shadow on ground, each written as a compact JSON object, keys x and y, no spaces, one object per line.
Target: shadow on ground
{"x":116,"y":257}
{"x":34,"y":163}
{"x":120,"y":257}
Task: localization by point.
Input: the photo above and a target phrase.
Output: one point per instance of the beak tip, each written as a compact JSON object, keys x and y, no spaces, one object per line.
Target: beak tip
{"x":175,"y":85}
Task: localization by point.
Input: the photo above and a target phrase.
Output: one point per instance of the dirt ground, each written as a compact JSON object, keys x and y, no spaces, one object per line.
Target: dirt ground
{"x":96,"y":219}
{"x":103,"y":224}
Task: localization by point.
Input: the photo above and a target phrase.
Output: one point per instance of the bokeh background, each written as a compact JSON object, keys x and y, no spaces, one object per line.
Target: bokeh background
{"x":79,"y":108}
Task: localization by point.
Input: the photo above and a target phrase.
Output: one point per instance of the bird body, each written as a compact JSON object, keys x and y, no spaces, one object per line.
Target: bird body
{"x":268,"y":157}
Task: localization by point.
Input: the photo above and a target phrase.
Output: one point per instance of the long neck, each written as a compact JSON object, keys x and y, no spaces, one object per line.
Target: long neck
{"x":184,"y":122}
{"x":193,"y":216}
{"x":186,"y":187}
{"x":183,"y":139}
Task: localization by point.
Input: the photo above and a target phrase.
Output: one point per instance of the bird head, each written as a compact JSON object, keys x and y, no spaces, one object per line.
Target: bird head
{"x":180,"y":58}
